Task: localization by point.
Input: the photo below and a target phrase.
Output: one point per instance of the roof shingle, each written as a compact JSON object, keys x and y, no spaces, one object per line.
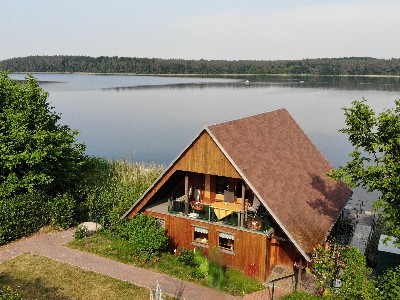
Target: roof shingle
{"x":287,"y":171}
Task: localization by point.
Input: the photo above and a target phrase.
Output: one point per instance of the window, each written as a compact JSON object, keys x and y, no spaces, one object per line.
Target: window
{"x":221,"y":184}
{"x":200,"y":235}
{"x":226,"y":241}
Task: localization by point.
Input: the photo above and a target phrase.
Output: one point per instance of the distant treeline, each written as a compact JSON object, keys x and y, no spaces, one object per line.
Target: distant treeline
{"x":115,"y":64}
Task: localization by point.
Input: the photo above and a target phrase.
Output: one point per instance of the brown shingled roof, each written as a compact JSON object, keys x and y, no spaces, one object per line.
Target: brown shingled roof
{"x":288,"y":173}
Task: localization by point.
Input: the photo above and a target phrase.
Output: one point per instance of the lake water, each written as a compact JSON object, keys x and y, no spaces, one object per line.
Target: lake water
{"x":152,"y":119}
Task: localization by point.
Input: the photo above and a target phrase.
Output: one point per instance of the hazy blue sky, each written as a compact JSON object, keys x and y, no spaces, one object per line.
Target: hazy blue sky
{"x":217,"y":29}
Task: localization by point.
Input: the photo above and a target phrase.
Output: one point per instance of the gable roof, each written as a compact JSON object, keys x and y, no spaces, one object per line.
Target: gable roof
{"x":284,"y":169}
{"x":287,"y":172}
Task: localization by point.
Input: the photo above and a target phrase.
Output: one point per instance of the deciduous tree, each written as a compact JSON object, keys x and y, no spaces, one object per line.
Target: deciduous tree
{"x":36,"y":152}
{"x":375,"y":163}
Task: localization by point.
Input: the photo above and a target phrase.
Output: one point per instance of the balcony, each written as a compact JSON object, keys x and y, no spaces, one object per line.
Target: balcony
{"x":218,"y":214}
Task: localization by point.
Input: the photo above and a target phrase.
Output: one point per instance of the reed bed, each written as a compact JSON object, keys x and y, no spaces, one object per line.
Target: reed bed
{"x":118,"y":187}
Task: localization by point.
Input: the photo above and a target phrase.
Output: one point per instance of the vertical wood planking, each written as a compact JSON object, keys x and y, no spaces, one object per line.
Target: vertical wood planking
{"x":250,"y":248}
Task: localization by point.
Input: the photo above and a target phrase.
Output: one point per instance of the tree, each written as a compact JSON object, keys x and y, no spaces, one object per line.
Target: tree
{"x":347,"y":263}
{"x":388,"y":284}
{"x":375,"y":163}
{"x":36,"y":152}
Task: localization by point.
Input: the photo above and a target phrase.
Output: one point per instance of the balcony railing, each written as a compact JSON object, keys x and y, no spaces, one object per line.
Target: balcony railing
{"x":256,"y":222}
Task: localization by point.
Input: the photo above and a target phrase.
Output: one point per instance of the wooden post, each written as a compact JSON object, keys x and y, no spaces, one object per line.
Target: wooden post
{"x":186,"y":194}
{"x":243,"y":204}
{"x":300,"y":273}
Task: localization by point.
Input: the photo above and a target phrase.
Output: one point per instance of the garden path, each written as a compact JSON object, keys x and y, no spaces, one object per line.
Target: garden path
{"x":52,"y":245}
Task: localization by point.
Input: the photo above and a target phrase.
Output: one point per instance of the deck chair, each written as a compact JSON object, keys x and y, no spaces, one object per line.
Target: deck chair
{"x":255,"y":206}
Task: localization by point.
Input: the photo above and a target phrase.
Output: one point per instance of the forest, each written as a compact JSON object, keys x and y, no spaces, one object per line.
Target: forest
{"x":135,"y":65}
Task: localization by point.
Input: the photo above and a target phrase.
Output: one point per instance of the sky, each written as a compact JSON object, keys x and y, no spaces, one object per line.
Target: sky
{"x":201,"y":29}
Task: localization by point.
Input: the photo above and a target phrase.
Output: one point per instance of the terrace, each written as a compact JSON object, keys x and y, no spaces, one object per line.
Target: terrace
{"x":222,"y":213}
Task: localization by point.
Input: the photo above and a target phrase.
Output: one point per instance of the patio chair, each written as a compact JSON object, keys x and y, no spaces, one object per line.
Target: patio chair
{"x":254,"y":206}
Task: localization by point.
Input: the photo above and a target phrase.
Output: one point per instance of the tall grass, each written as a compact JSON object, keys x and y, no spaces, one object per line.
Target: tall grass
{"x":118,"y":186}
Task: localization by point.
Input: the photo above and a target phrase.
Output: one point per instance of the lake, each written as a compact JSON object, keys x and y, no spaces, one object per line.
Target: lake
{"x":152,"y":119}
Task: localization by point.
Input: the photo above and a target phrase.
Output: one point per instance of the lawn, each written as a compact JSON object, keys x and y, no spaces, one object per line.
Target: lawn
{"x":37,"y":277}
{"x":109,"y":246}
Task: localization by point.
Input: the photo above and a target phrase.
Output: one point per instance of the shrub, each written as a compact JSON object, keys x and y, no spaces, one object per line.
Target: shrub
{"x":388,"y":284}
{"x":347,"y":263}
{"x":216,"y":275}
{"x":62,"y":211}
{"x":146,"y":239}
{"x":186,"y":257}
{"x":22,"y":215}
{"x":202,"y":263}
{"x":6,"y":293}
{"x":354,"y":276}
{"x":80,"y":233}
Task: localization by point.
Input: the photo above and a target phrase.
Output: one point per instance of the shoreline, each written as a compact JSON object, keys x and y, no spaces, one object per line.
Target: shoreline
{"x":208,"y":75}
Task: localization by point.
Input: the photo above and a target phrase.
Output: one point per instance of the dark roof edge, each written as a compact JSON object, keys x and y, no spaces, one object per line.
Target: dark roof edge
{"x":161,"y":176}
{"x":303,"y":253}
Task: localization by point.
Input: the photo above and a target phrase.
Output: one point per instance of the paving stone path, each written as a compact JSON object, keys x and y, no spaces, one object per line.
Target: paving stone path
{"x":52,"y":245}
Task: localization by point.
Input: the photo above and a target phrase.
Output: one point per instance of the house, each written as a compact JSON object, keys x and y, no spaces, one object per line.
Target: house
{"x":255,"y":188}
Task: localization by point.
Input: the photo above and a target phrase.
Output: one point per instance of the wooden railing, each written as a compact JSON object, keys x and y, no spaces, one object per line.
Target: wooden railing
{"x":256,"y":222}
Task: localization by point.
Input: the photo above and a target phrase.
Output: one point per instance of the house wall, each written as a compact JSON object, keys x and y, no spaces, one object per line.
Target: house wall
{"x":250,"y":254}
{"x":205,"y":157}
{"x":282,"y":253}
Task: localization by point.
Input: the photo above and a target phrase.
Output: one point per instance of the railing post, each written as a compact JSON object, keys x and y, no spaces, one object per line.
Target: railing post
{"x":243,"y":205}
{"x":186,"y":194}
{"x":273,"y":289}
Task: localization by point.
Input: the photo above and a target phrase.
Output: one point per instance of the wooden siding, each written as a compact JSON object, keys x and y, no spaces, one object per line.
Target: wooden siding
{"x":282,"y":253}
{"x":204,"y":156}
{"x":250,"y":248}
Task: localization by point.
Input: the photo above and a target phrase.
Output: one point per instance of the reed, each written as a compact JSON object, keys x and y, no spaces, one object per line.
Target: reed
{"x":120,"y":186}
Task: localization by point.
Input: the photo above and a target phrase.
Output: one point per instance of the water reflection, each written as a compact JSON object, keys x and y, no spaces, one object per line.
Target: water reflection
{"x":360,"y":83}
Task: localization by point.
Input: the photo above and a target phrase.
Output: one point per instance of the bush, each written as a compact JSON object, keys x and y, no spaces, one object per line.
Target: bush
{"x":388,"y":284}
{"x":80,"y":233}
{"x":354,"y":276}
{"x":216,"y":275}
{"x":62,"y":211}
{"x":145,"y":238}
{"x":6,"y":293}
{"x":186,"y":257}
{"x":202,"y":263}
{"x":22,"y":215}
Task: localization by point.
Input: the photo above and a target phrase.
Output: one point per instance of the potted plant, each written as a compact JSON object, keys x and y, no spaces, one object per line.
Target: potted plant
{"x":253,"y":223}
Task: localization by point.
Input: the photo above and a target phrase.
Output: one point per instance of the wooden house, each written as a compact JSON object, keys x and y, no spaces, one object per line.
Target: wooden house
{"x":254,"y":188}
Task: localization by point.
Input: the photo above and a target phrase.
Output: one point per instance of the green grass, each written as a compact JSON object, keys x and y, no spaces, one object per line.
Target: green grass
{"x":109,"y":246}
{"x":36,"y":277}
